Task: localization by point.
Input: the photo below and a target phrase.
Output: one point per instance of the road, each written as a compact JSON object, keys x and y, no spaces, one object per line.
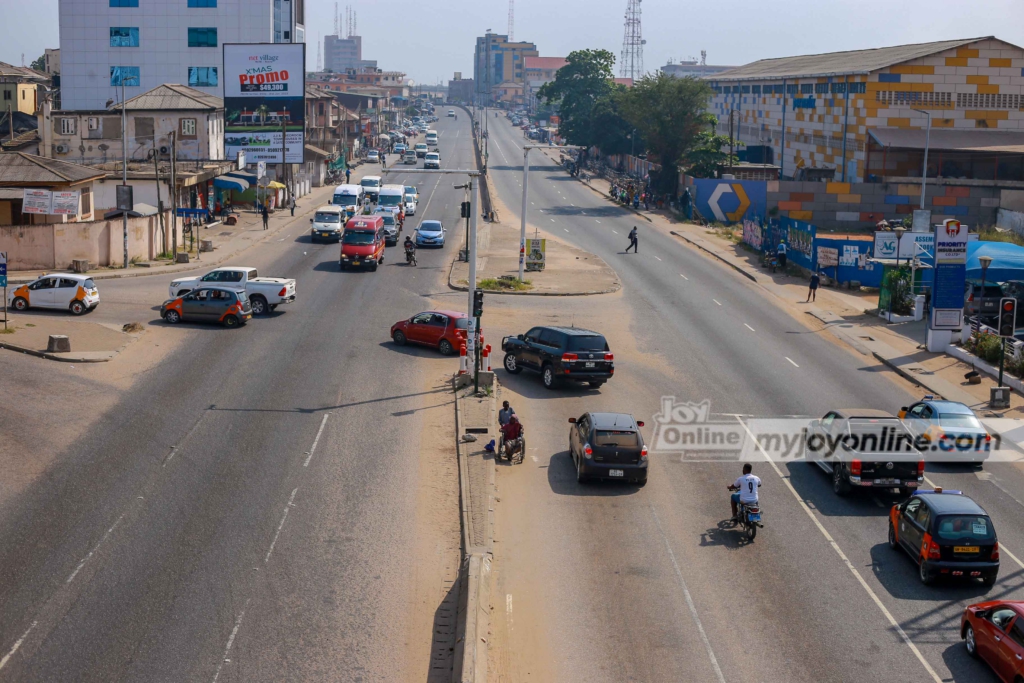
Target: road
{"x":268,"y":503}
{"x":615,"y":583}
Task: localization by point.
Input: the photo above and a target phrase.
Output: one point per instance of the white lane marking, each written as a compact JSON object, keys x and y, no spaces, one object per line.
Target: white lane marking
{"x":683,"y":276}
{"x":320,"y":431}
{"x":231,"y":640}
{"x":791,"y":361}
{"x":717,"y":302}
{"x":508,"y":609}
{"x":597,"y":220}
{"x":1002,"y":548}
{"x":849,"y":565}
{"x":93,"y":551}
{"x":749,"y":327}
{"x":616,"y":232}
{"x":534,"y":457}
{"x":689,"y":600}
{"x":17,"y":643}
{"x":280,"y":526}
{"x":566,"y":229}
{"x":658,"y":257}
{"x":532,"y":204}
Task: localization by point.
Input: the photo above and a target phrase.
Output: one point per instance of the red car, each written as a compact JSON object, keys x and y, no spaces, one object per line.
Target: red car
{"x":443,"y":330}
{"x":994,"y":631}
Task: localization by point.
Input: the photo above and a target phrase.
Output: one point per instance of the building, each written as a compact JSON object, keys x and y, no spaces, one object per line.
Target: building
{"x":146,"y":44}
{"x":861,"y":115}
{"x":342,"y":54}
{"x":539,"y":71}
{"x":21,"y":88}
{"x":20,"y":171}
{"x":498,"y":61}
{"x":51,"y":59}
{"x":692,"y":69}
{"x":461,"y":89}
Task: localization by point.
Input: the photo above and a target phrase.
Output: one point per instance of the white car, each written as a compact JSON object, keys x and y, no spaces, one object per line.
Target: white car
{"x":451,"y":112}
{"x":421,"y":149}
{"x":432,"y":160}
{"x":265,"y":293}
{"x":410,"y":207}
{"x":65,"y":291}
{"x":372,"y":156}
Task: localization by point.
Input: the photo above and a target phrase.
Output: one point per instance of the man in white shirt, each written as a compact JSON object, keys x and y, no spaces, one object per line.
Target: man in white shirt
{"x":781,"y":254}
{"x":745,"y":490}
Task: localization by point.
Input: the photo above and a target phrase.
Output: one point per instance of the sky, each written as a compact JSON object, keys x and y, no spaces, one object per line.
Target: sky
{"x":431,"y":40}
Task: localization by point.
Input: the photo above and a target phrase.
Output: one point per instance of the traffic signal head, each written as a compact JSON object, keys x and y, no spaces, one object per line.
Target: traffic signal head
{"x":478,"y":303}
{"x":465,"y":210}
{"x":1007,"y":316}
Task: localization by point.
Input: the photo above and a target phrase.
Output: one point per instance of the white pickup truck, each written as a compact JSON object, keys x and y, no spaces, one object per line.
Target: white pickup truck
{"x":265,"y":293}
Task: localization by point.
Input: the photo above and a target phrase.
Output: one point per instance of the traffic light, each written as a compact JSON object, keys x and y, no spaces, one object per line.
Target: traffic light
{"x":478,"y":303}
{"x":1007,"y":316}
{"x":465,"y":213}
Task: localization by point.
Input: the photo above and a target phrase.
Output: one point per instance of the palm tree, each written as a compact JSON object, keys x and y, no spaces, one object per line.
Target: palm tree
{"x":262,"y":111}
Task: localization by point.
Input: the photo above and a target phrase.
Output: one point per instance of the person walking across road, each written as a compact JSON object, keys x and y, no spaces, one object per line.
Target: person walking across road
{"x":632,"y":241}
{"x":266,"y":217}
{"x":812,"y":293}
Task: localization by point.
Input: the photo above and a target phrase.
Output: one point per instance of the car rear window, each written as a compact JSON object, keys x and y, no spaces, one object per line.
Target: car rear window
{"x":965,"y":528}
{"x":619,"y":438}
{"x":89,"y":284}
{"x":587,"y":343}
{"x":958,"y":421}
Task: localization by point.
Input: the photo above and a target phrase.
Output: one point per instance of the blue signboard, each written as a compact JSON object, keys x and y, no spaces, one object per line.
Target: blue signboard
{"x":950,"y":279}
{"x":731,"y":201}
{"x":193,"y":212}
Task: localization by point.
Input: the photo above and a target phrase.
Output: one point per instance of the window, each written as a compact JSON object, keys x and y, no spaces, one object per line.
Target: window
{"x":757,"y":89}
{"x":202,"y":4}
{"x":745,"y":89}
{"x":7,"y":94}
{"x":202,"y":37}
{"x":806,"y":88}
{"x":124,"y":36}
{"x":202,"y":76}
{"x":144,"y":127}
{"x":128,"y":75}
{"x":1002,"y":617}
{"x":857,"y":88}
{"x":791,"y":89}
{"x":912,"y":508}
{"x":67,"y":126}
{"x":838,"y":88}
{"x":821,"y":88}
{"x":1017,"y":633}
{"x":987,"y":101}
{"x":124,"y":3}
{"x":779,"y":89}
{"x":188,"y":128}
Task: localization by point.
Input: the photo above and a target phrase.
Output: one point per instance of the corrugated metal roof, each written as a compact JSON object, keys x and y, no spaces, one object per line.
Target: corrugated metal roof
{"x":951,"y":139}
{"x":544,"y":62}
{"x":172,"y":96}
{"x":20,"y":169}
{"x":22,"y":72}
{"x":839,"y":63}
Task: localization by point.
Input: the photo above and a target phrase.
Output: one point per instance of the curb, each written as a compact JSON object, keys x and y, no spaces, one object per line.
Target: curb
{"x":718,"y":256}
{"x":59,"y":357}
{"x":606,"y":196}
{"x":464,"y":288}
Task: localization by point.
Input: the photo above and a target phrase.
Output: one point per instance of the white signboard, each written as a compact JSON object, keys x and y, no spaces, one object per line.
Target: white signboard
{"x":951,"y":242}
{"x":65,"y":203}
{"x":913,"y":244}
{"x":827,"y":257}
{"x":947,"y":319}
{"x":36,"y":201}
{"x":471,"y":338}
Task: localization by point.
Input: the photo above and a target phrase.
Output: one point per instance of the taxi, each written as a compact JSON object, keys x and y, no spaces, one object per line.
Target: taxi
{"x":64,"y":291}
{"x":229,"y":307}
{"x":947,"y":534}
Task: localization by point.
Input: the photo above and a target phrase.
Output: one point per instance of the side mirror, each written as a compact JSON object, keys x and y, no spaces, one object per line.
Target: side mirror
{"x":572,"y":420}
{"x":310,"y":220}
{"x":903,"y":413}
{"x":521,"y":337}
{"x":639,"y":424}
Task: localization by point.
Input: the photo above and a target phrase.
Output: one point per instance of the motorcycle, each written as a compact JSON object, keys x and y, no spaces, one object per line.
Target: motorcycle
{"x":750,"y":519}
{"x":410,"y":257}
{"x":771,"y":262}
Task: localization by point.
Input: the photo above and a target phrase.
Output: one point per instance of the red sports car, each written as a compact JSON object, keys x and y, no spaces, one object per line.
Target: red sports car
{"x":994,"y":631}
{"x":443,"y":330}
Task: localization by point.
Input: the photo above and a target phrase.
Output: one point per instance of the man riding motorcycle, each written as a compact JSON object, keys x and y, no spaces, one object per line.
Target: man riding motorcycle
{"x":401,"y":219}
{"x":745,"y":491}
{"x":512,"y":437}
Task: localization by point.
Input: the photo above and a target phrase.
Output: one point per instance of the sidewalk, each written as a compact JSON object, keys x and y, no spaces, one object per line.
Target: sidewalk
{"x":90,"y":342}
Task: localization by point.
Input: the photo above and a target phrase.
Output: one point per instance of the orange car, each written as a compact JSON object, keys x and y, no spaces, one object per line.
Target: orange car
{"x":362,"y":243}
{"x":442,"y":330}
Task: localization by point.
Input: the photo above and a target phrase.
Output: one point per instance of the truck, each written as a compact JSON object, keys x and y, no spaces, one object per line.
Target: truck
{"x":265,"y":293}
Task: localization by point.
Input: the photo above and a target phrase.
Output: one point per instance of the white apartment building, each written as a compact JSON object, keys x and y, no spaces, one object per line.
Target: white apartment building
{"x":151,"y":42}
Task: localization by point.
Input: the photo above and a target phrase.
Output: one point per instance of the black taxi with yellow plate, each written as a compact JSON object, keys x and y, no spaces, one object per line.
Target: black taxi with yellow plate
{"x":947,"y":534}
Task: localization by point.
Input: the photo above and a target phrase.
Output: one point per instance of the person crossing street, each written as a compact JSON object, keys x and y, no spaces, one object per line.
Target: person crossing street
{"x":632,"y":241}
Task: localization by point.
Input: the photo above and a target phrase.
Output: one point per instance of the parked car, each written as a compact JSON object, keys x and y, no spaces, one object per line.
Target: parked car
{"x":265,"y":293}
{"x":432,"y":160}
{"x":989,"y":301}
{"x":373,"y":156}
{"x":946,"y":534}
{"x":608,"y":446}
{"x":560,"y":354}
{"x":950,"y":427}
{"x":993,"y":632}
{"x":328,"y":223}
{"x":443,"y":330}
{"x":229,"y":307}
{"x":64,"y":291}
{"x":430,"y":234}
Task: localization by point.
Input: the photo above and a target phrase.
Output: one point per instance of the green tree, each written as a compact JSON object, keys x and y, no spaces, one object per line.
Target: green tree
{"x":670,"y":115}
{"x":609,"y":131}
{"x":585,"y":79}
{"x":39,"y":64}
{"x":709,"y":152}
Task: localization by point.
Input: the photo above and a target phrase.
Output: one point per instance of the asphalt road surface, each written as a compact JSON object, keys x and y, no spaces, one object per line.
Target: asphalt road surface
{"x":249,"y":510}
{"x":614,"y":583}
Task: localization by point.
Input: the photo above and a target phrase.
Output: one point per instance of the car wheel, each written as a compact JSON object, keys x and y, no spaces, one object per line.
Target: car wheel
{"x":19,"y":304}
{"x":399,"y":337}
{"x":259,"y":305}
{"x":924,"y":574}
{"x":840,"y":484}
{"x":77,"y":307}
{"x":445,"y":347}
{"x":231,"y":321}
{"x":969,"y":642}
{"x":892,"y":537}
{"x":548,"y":377}
{"x":512,"y":366}
{"x":172,"y":317}
{"x":989,"y":579}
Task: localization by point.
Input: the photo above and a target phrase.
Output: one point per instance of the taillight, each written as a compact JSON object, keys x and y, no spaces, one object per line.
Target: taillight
{"x":643,"y":453}
{"x":283,"y":292}
{"x":920,"y":468}
{"x":971,"y":297}
{"x":995,"y":551}
{"x":855,"y":468}
{"x":569,"y":357}
{"x":934,"y":552}
{"x":609,"y":356}
{"x":588,"y":450}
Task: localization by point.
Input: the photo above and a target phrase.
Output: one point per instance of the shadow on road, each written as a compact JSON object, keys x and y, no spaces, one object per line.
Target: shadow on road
{"x":897,"y":572}
{"x":726,"y":534}
{"x":528,"y":384}
{"x":815,"y":487}
{"x":562,"y":479}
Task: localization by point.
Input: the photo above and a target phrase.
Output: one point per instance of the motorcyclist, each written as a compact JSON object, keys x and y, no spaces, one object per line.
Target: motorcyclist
{"x":745,"y":488}
{"x":410,"y":248}
{"x":511,"y":432}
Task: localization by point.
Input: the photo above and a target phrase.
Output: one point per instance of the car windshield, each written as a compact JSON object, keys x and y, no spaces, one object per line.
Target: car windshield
{"x":959,"y":421}
{"x":389,"y":218}
{"x":325,"y":217}
{"x":366,"y":182}
{"x":618,"y":438}
{"x":430,"y":227}
{"x":587,"y":343}
{"x":390,"y":200}
{"x":970,"y":528}
{"x":89,"y":284}
{"x":357,"y":237}
{"x":410,"y":190}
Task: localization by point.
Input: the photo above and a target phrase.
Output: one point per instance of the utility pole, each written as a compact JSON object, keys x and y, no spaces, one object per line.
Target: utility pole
{"x":124,"y":165}
{"x":159,"y":204}
{"x":284,"y":156}
{"x":731,"y":140}
{"x":174,"y":198}
{"x":522,"y":225}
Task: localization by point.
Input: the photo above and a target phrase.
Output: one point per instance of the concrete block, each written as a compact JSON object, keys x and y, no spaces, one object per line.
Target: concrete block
{"x":58,"y":343}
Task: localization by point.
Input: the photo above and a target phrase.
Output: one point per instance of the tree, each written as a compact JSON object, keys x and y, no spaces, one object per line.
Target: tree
{"x":39,"y":64}
{"x":708,"y":154}
{"x":670,"y":115}
{"x":585,"y":79}
{"x":609,"y":131}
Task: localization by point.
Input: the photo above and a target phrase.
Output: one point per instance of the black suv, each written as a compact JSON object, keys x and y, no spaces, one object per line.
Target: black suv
{"x":560,"y":354}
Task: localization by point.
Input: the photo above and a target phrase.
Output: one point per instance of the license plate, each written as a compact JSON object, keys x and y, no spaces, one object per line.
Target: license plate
{"x":887,"y":481}
{"x":355,"y":263}
{"x":588,"y":365}
{"x":754,"y":516}
{"x":965,"y":549}
{"x":616,"y":473}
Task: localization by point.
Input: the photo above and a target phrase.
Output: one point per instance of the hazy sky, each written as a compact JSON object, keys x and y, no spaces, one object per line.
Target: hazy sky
{"x":430,"y":40}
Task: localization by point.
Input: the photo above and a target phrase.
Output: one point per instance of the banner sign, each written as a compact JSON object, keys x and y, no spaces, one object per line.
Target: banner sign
{"x":828,"y":257}
{"x":36,"y":201}
{"x":264,"y":97}
{"x":951,"y":242}
{"x":3,"y":273}
{"x":919,"y":244}
{"x":536,"y":250}
{"x":731,"y":201}
{"x":65,"y":203}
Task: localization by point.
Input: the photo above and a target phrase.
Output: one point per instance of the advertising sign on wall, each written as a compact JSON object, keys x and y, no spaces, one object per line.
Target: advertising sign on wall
{"x":264,"y":98}
{"x":65,"y":203}
{"x":828,"y":257}
{"x":36,"y":201}
{"x":731,"y":201}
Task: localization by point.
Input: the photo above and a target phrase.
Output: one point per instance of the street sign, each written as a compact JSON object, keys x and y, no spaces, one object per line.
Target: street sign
{"x":471,"y":337}
{"x":3,"y":270}
{"x":241,"y":160}
{"x":125,"y":202}
{"x":261,"y":169}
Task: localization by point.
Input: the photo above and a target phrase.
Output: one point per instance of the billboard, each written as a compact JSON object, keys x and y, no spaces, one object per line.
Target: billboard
{"x":264,"y":101}
{"x":731,"y":201}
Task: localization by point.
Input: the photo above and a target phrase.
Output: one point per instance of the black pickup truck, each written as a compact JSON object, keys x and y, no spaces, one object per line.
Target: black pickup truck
{"x":560,"y":354}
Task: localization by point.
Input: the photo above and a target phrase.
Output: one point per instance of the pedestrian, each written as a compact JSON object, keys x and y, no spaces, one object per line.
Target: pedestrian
{"x":688,"y":204}
{"x":292,"y":207}
{"x":812,"y":293}
{"x":266,"y":217}
{"x":632,"y":240}
{"x":348,"y":173}
{"x":781,"y":253}
{"x":256,"y":205}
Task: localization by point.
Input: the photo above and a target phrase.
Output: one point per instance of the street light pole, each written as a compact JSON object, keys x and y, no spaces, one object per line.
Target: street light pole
{"x":927,"y":140}
{"x":124,"y":166}
{"x":522,"y":224}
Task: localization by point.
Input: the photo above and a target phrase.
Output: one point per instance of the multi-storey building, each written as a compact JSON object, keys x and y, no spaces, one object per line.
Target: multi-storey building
{"x":342,"y":54}
{"x":862,"y":115}
{"x":460,"y":89}
{"x":146,"y":43}
{"x":692,"y":69}
{"x":497,"y":62}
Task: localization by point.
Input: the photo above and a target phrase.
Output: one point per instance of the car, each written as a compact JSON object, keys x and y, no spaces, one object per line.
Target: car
{"x":400,"y":148}
{"x":421,"y":149}
{"x":608,"y":446}
{"x":328,"y":223}
{"x":229,"y":307}
{"x":430,"y":234}
{"x":63,"y":291}
{"x":412,"y":193}
{"x":410,"y":207}
{"x":993,"y":632}
{"x":443,"y":330}
{"x":390,"y":226}
{"x":948,"y":430}
{"x":373,"y":156}
{"x":560,"y":354}
{"x":947,"y":534}
{"x":264,"y":293}
{"x":451,"y":112}
{"x":989,"y":301}
{"x":864,"y":447}
{"x":432,"y":160}
{"x":371,"y":186}
{"x":409,"y":157}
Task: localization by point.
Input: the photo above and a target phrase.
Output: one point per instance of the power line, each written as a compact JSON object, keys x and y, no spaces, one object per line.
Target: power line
{"x":632,"y":62}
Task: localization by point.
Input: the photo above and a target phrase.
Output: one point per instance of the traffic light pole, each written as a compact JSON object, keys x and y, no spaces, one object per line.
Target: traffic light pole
{"x":1002,"y":357}
{"x":526,"y":196}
